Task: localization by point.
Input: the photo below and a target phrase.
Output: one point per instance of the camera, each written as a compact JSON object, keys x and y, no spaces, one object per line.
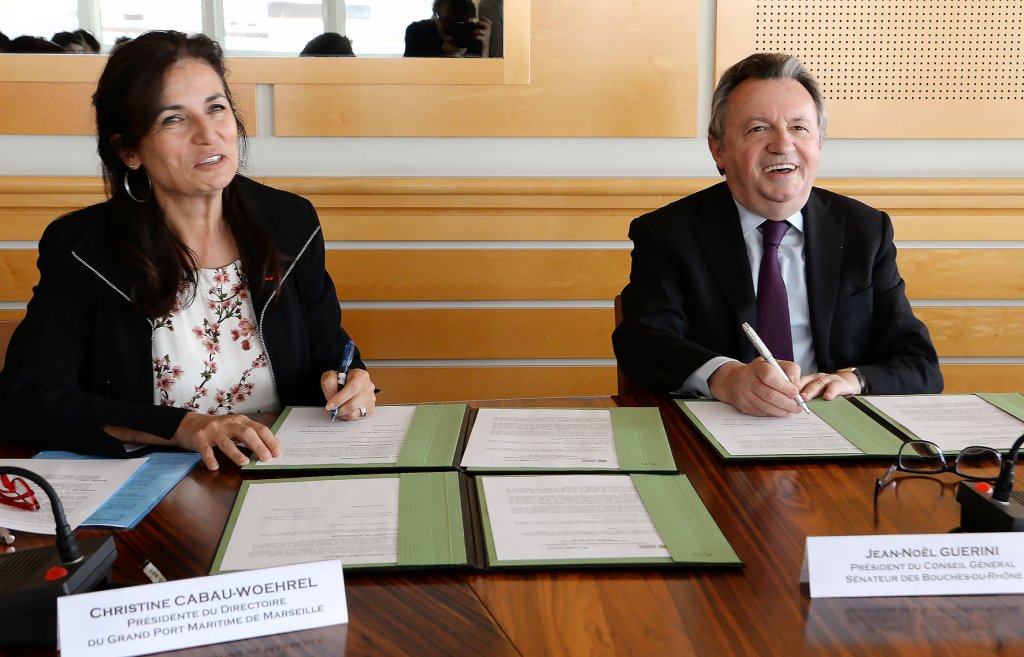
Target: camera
{"x":463,"y":33}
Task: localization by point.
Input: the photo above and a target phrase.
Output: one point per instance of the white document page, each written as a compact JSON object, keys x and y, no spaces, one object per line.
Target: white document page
{"x":550,"y":517}
{"x":951,"y":421}
{"x":308,"y":437}
{"x":541,"y":438}
{"x":748,"y":435}
{"x":81,"y":485}
{"x":289,"y":522}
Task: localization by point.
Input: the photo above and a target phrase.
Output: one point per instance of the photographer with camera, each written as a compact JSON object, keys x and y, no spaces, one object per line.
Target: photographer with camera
{"x":453,"y":31}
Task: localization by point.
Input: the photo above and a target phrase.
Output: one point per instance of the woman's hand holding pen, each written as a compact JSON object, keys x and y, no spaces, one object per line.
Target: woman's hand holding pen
{"x":204,"y":433}
{"x":355,"y":400}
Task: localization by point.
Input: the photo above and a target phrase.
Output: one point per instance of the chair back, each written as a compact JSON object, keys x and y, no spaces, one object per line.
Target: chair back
{"x":626,"y":385}
{"x":7,"y":327}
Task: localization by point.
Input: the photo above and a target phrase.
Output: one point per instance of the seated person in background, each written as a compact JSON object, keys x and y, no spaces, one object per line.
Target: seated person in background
{"x":191,"y":296}
{"x":32,"y":45}
{"x":70,"y":42}
{"x":89,"y":42}
{"x":451,"y":32}
{"x":328,"y":44}
{"x":831,"y":303}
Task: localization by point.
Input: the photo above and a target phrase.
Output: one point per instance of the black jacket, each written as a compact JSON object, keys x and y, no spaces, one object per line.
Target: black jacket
{"x":691,"y":287}
{"x":82,"y":357}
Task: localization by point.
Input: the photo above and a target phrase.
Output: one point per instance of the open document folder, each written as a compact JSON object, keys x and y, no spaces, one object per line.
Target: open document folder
{"x":568,"y":440}
{"x":394,"y":437}
{"x":446,"y":519}
{"x":834,"y":428}
{"x":953,"y":422}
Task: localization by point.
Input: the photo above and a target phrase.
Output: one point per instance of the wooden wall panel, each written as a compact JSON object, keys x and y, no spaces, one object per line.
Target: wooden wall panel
{"x":589,"y":76}
{"x":422,"y":384}
{"x":963,"y":273}
{"x":392,"y":252}
{"x":478,"y":333}
{"x":984,"y":225}
{"x":486,"y":224}
{"x":967,"y":332}
{"x":65,"y":108}
{"x":447,"y":274}
{"x":983,"y":378}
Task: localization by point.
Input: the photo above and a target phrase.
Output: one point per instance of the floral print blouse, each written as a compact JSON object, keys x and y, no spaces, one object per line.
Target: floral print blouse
{"x":207,"y":355}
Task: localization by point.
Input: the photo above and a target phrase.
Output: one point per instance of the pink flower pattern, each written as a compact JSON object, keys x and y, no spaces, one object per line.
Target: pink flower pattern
{"x":228,"y":331}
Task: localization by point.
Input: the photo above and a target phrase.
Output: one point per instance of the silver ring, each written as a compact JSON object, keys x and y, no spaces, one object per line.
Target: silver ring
{"x":362,"y":411}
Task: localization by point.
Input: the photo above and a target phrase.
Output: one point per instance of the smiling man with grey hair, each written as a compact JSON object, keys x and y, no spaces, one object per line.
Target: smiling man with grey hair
{"x":828,"y":299}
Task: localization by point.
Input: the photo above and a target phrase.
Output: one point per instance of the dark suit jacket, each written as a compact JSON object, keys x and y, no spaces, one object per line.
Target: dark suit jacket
{"x":691,"y":287}
{"x":82,"y":357}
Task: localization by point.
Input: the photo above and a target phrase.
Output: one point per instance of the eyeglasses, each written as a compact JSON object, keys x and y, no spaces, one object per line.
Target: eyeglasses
{"x":974,"y":463}
{"x":15,"y":491}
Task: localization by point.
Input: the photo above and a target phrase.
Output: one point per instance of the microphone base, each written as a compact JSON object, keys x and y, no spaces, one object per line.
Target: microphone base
{"x":28,"y":602}
{"x":980,"y":513}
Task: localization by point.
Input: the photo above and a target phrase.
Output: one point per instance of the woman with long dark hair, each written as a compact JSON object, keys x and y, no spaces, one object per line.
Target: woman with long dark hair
{"x":190,"y":297}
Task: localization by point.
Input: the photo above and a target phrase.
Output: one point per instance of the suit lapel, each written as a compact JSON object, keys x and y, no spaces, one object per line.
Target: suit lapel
{"x":823,"y":248}
{"x":721,"y":241}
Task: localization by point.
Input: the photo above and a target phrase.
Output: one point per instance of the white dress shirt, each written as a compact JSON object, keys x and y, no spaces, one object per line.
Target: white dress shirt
{"x":794,"y":275}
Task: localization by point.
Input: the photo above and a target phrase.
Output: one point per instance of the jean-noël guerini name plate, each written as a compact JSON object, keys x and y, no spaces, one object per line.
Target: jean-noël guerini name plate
{"x":915,"y":564}
{"x":140,"y":620}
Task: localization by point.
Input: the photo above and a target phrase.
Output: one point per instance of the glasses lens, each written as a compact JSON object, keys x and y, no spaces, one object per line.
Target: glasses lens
{"x":922,"y":457}
{"x":978,"y":463}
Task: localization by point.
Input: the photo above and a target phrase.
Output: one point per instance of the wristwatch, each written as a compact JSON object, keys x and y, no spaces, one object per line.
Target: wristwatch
{"x":860,"y":377}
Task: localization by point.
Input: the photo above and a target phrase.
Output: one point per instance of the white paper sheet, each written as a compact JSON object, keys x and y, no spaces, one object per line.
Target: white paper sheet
{"x":951,"y":421}
{"x":308,"y":437}
{"x":541,"y":438}
{"x":748,"y":435}
{"x":81,"y":485}
{"x":288,"y":522}
{"x":552,"y":517}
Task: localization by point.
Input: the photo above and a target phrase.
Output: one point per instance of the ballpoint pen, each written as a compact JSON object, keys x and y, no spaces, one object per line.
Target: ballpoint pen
{"x":346,"y":362}
{"x":762,"y":349}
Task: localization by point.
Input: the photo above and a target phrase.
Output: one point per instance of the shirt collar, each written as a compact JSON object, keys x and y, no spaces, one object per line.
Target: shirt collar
{"x":750,"y":221}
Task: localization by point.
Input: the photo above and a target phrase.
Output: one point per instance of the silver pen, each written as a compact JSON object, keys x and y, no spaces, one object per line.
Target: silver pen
{"x":762,"y":349}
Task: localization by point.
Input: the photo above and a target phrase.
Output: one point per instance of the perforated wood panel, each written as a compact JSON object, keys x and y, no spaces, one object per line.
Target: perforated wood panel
{"x":916,"y":68}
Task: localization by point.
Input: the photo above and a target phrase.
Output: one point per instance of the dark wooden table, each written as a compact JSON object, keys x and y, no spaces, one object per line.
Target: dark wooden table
{"x":766,"y":511}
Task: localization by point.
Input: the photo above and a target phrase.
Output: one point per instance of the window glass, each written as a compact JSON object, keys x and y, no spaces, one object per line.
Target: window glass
{"x":131,"y":18}
{"x":41,"y":18}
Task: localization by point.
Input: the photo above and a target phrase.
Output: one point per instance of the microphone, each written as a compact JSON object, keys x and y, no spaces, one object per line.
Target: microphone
{"x":1004,"y":484}
{"x":32,"y":580}
{"x":67,"y":545}
{"x":1003,"y":510}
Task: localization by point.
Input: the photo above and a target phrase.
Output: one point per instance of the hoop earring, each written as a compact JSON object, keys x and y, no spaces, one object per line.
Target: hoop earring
{"x":128,"y":188}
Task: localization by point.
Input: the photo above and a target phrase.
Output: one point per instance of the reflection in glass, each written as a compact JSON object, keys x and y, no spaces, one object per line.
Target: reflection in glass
{"x":243,"y":27}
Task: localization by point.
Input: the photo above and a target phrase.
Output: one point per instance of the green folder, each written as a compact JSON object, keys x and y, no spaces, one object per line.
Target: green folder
{"x":443,"y":522}
{"x":1010,"y":402}
{"x":431,"y":443}
{"x":871,"y":438}
{"x":687,"y":530}
{"x":641,"y":443}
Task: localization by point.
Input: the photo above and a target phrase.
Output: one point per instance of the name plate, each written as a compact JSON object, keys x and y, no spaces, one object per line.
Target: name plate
{"x":140,"y":620}
{"x":915,"y":564}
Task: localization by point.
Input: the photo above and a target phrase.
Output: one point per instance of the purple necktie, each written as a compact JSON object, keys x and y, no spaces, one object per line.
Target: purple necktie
{"x":772,"y":301}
